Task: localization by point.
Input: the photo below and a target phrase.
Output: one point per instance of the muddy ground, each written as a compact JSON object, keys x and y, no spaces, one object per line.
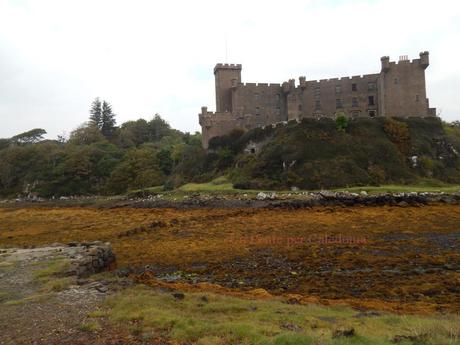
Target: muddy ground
{"x":404,"y":258}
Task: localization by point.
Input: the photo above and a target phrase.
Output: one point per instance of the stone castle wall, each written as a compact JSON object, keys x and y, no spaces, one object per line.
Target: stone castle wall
{"x":399,"y":90}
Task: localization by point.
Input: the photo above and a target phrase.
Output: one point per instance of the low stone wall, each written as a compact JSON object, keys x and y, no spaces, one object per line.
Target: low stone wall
{"x":296,"y":200}
{"x":90,"y":258}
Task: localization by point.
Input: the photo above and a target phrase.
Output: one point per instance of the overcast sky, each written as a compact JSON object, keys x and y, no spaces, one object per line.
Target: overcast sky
{"x":148,"y":57}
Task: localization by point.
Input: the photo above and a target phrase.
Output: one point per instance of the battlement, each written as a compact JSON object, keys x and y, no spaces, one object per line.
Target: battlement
{"x":335,"y":80}
{"x":423,"y":61}
{"x":227,"y":66}
{"x":274,"y":85}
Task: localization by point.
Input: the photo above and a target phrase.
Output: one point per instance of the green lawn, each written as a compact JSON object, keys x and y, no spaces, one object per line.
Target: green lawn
{"x":223,"y":186}
{"x":205,"y":318}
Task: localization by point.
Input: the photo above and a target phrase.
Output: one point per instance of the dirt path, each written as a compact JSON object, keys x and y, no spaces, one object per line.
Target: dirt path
{"x":42,"y":305}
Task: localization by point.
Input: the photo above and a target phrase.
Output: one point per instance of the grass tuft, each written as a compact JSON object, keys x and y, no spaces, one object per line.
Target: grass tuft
{"x":90,"y":327}
{"x":53,"y":268}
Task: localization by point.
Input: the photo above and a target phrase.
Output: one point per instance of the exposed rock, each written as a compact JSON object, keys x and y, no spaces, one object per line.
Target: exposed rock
{"x":368,"y":313}
{"x":89,"y":258}
{"x":178,"y":295}
{"x":102,"y":288}
{"x":343,"y":332}
{"x":291,"y":327}
{"x":266,"y":196}
{"x":415,"y":339}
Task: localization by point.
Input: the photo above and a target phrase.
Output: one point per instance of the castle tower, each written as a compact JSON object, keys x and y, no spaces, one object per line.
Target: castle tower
{"x":227,"y":77}
{"x":402,"y":87}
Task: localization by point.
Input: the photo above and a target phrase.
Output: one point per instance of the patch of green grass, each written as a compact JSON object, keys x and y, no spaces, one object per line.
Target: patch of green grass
{"x":292,"y":339}
{"x":4,"y":295}
{"x":6,"y":264}
{"x":90,"y":327}
{"x":29,"y":299}
{"x":15,"y":302}
{"x":403,"y":188}
{"x":228,"y":320}
{"x":98,"y":313}
{"x":206,"y":187}
{"x":52,"y":268}
{"x":59,"y":284}
{"x":147,"y":191}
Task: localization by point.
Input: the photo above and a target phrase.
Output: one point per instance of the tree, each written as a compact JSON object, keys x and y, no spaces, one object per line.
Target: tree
{"x":165,"y":161}
{"x":85,"y":135}
{"x":30,"y":137}
{"x":158,"y":128}
{"x":108,"y":120}
{"x":138,"y":169}
{"x":133,"y":133}
{"x":95,"y":117}
{"x":4,"y":143}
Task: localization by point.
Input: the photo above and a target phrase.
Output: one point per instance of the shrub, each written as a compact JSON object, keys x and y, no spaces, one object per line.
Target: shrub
{"x":398,"y":133}
{"x":341,"y":122}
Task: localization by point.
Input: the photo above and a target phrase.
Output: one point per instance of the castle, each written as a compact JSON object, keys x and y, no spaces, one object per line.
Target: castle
{"x":397,"y":91}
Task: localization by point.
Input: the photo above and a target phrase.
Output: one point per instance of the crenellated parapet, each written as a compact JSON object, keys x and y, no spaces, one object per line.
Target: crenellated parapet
{"x":424,"y":59}
{"x":385,"y":63}
{"x":220,"y":66}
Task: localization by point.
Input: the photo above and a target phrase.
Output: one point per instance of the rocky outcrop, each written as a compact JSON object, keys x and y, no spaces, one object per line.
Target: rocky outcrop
{"x":90,"y":258}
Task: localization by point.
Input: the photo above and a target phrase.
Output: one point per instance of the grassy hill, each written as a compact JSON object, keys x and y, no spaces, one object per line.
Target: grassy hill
{"x":327,"y":154}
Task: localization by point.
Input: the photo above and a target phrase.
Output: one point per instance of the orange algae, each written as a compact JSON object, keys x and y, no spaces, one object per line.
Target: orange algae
{"x":409,"y":261}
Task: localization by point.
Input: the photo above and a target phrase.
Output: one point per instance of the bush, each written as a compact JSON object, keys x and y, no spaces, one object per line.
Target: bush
{"x":341,"y":122}
{"x":398,"y":133}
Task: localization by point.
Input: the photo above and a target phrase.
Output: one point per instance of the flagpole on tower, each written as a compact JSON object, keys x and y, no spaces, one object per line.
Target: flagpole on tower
{"x":226,"y":49}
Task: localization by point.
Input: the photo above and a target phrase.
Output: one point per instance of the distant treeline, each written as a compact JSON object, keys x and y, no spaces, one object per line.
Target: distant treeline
{"x":102,"y":158}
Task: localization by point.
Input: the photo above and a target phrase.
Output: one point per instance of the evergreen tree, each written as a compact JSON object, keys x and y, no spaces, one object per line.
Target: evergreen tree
{"x":108,"y":120}
{"x":95,"y":117}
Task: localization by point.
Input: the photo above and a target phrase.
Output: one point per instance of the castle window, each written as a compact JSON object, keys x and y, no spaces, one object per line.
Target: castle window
{"x":317,"y":91}
{"x":354,"y":87}
{"x":317,"y":105}
{"x":355,"y":114}
{"x":354,"y":102}
{"x":257,"y":111}
{"x":338,"y":103}
{"x":300,"y":107}
{"x":317,"y":97}
{"x":256,"y":96}
{"x":371,"y":100}
{"x":338,"y":89}
{"x":278,"y":97}
{"x":372,"y":113}
{"x":417,"y":98}
{"x":370,"y":86}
